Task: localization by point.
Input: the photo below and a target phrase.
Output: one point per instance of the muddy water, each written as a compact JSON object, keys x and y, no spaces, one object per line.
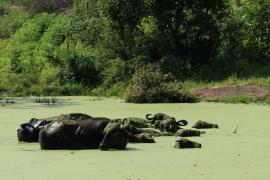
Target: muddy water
{"x":244,"y":155}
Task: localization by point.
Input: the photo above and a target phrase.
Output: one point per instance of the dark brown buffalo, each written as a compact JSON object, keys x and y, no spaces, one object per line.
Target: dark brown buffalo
{"x":88,"y":134}
{"x":188,"y":133}
{"x":29,"y":131}
{"x":157,"y":117}
{"x":169,"y":125}
{"x":185,"y":143}
{"x":204,"y":125}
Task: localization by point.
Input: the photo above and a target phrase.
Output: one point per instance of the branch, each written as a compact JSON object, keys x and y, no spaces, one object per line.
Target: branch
{"x":235,"y":131}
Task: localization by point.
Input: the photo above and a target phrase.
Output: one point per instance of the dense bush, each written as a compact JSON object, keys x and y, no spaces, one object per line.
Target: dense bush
{"x":151,"y":85}
{"x":33,"y":30}
{"x":3,"y":8}
{"x":11,"y":22}
{"x":70,"y":47}
{"x":81,"y":69}
{"x":39,"y":6}
{"x":56,"y":32}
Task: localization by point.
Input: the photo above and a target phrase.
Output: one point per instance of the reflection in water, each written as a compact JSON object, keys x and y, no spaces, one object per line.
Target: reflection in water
{"x":32,"y":102}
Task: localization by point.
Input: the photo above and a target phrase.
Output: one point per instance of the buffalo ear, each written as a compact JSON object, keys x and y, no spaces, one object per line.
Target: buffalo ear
{"x":33,"y":120}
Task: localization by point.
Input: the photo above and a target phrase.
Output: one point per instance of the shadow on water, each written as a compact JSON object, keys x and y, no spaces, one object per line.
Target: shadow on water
{"x":73,"y":151}
{"x":30,"y":150}
{"x":132,"y":149}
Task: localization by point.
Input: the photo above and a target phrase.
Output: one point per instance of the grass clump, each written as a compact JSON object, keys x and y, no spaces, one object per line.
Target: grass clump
{"x":151,"y":85}
{"x":237,"y":99}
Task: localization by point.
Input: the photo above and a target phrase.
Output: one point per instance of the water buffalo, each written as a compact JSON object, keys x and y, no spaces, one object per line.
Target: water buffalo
{"x":138,"y":122}
{"x":169,"y":125}
{"x":156,"y":117}
{"x":188,"y":132}
{"x":88,"y":134}
{"x":137,"y":130}
{"x":142,"y":138}
{"x":185,"y":143}
{"x":29,"y":131}
{"x":204,"y":125}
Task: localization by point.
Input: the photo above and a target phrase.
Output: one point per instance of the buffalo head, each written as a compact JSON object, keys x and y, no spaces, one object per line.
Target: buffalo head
{"x":170,"y":125}
{"x":157,"y":117}
{"x":115,"y":136}
{"x":27,"y":133}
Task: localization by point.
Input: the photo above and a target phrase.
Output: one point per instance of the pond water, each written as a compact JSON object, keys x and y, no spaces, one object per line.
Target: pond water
{"x":244,"y":155}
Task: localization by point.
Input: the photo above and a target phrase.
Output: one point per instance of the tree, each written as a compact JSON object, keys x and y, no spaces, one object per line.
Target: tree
{"x":262,"y":29}
{"x":124,"y":16}
{"x":189,"y":29}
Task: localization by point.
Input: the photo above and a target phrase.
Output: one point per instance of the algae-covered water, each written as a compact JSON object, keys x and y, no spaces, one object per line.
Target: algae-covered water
{"x":244,"y":155}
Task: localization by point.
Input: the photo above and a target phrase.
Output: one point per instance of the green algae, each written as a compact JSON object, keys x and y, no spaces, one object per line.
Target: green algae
{"x":223,"y":156}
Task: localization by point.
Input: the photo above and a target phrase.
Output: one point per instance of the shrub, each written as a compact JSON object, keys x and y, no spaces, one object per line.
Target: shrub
{"x":180,"y":67}
{"x":56,"y":33}
{"x":151,"y":85}
{"x":38,"y":6}
{"x":81,"y":69}
{"x":33,"y":30}
{"x":113,"y":72}
{"x":73,"y":90}
{"x":50,"y":76}
{"x":11,"y":22}
{"x":3,"y":9}
{"x":116,"y":89}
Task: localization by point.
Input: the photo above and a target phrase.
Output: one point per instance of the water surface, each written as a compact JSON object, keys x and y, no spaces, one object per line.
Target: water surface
{"x":244,"y":155}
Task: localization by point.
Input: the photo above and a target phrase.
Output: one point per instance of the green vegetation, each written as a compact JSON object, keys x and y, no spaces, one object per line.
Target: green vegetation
{"x":79,"y":47}
{"x":237,"y":99}
{"x":150,"y":85}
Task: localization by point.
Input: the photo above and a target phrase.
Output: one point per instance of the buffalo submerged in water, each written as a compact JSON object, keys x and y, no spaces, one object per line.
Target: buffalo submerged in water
{"x":70,"y":134}
{"x":93,"y":133}
{"x":81,"y":131}
{"x":29,"y":131}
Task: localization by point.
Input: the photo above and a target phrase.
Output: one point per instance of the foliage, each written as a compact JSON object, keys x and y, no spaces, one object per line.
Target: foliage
{"x":33,"y":29}
{"x":237,"y":99}
{"x":189,"y":29}
{"x":3,"y":8}
{"x":151,"y":85}
{"x":81,"y":69}
{"x":67,"y":47}
{"x":86,"y":24}
{"x":39,"y":6}
{"x":116,"y":89}
{"x":12,"y":21}
{"x":56,"y":32}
